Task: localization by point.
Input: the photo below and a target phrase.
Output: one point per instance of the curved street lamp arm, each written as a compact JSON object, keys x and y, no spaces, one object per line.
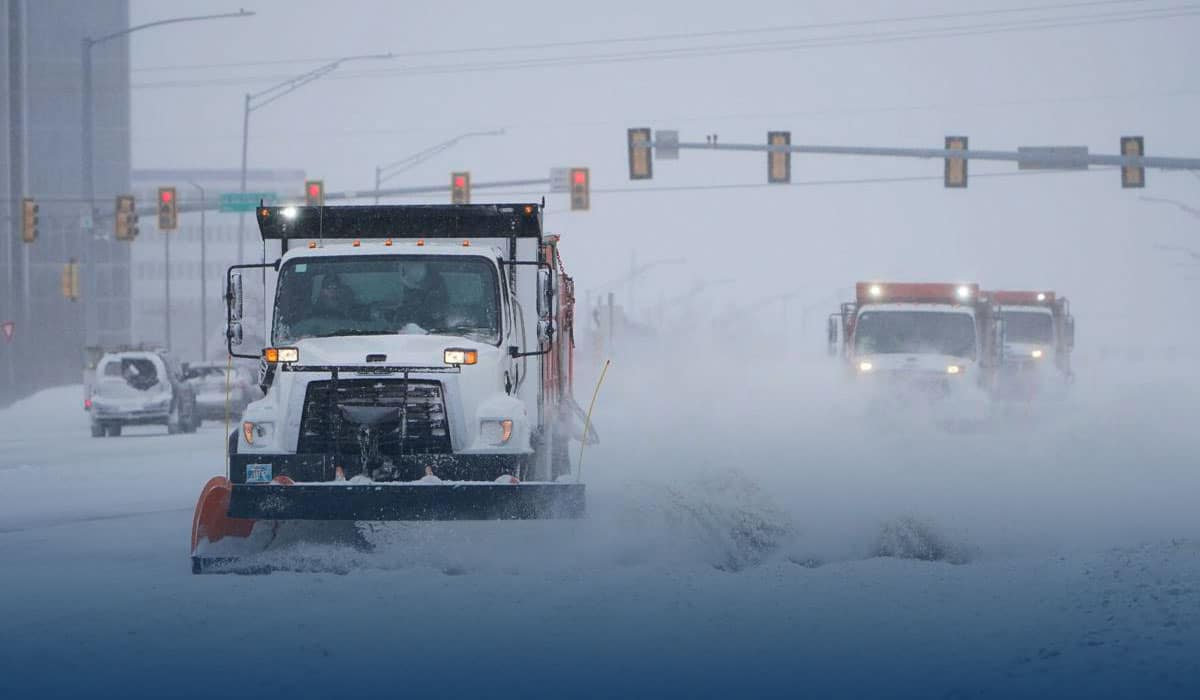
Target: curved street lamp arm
{"x":161,"y":22}
{"x":274,"y":92}
{"x":390,"y":170}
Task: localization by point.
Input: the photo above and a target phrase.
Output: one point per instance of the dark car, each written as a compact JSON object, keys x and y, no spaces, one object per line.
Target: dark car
{"x":219,"y":388}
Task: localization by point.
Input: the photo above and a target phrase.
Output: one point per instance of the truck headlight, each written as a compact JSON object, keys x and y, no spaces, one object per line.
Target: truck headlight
{"x":252,"y":431}
{"x":1036,"y":354}
{"x":865,"y":366}
{"x":496,"y":432}
{"x":285,"y":355}
{"x":460,"y":356}
{"x":954,"y":369}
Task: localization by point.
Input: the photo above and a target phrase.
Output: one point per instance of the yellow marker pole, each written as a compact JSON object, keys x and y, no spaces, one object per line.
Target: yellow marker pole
{"x":225,"y":436}
{"x":587,"y":423}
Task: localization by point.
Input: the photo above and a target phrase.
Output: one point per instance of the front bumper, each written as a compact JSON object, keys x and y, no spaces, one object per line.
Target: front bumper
{"x":128,"y":417}
{"x":246,"y":467}
{"x":408,"y":501}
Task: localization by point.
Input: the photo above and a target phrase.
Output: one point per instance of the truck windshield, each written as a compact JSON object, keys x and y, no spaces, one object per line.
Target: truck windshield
{"x":1028,"y":326}
{"x":933,"y":332}
{"x":387,"y":294}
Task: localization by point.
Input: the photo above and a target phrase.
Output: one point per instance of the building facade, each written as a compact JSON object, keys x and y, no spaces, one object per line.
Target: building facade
{"x":41,"y":156}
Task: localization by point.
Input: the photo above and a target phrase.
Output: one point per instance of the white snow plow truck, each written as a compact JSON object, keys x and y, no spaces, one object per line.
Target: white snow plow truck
{"x":419,"y":368}
{"x":1039,"y":333}
{"x":933,"y":341}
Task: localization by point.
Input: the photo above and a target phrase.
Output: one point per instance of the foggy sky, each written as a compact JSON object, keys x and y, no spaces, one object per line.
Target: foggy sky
{"x":1078,"y":233}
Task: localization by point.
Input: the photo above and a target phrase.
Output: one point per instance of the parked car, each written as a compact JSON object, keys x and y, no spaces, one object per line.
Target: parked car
{"x":141,"y":387}
{"x":208,"y":381}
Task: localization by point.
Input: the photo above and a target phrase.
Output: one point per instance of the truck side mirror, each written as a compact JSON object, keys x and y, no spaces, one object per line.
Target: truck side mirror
{"x":546,"y":301}
{"x":233,"y":298}
{"x":831,"y":333}
{"x":234,"y":333}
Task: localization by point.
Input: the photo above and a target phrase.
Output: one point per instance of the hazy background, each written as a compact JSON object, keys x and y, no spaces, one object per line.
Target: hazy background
{"x":1085,"y":85}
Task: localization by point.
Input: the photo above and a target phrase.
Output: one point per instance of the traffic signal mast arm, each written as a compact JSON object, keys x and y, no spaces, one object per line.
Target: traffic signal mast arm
{"x":1045,"y":160}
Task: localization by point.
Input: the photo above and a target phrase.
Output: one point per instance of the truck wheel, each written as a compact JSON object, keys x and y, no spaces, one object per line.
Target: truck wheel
{"x":97,"y":430}
{"x":114,"y":430}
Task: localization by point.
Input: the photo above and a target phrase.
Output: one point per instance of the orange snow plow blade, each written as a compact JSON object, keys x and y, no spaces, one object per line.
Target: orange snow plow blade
{"x":211,"y":524}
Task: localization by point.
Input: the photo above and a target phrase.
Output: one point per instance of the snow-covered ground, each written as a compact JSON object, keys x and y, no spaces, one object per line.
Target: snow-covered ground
{"x":732,"y":549}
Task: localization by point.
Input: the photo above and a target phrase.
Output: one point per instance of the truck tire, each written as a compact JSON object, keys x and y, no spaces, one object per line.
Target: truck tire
{"x":114,"y":430}
{"x":97,"y":430}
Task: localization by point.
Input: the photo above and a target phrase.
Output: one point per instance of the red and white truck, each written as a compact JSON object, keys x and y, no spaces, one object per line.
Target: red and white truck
{"x":1039,"y":335}
{"x":910,"y":340}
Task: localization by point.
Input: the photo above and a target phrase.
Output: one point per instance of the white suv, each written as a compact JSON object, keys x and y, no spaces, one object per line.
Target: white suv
{"x":141,"y":388}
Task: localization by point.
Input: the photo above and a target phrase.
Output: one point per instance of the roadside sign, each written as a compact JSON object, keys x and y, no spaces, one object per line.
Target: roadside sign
{"x":245,"y":201}
{"x":1052,"y":158}
{"x":560,"y":179}
{"x":8,"y":327}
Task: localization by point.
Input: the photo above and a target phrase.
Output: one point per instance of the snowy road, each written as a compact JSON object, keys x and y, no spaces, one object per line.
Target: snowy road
{"x":709,"y":566}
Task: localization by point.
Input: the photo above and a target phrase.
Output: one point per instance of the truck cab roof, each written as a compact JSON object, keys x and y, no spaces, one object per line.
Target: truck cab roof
{"x":325,"y":249}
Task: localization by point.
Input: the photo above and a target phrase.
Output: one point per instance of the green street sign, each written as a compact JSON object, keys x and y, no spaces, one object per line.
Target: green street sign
{"x":245,"y":201}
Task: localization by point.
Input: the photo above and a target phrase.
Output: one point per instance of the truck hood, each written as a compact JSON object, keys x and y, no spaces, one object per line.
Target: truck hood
{"x":917,"y":362}
{"x":399,"y":350}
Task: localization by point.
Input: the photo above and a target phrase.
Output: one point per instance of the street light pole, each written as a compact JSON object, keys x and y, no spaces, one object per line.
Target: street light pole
{"x":167,"y":280}
{"x":203,"y":279}
{"x":88,"y":157}
{"x":262,"y":98}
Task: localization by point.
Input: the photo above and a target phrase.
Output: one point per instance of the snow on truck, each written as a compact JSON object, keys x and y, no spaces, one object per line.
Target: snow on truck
{"x":920,"y":339}
{"x":419,"y":368}
{"x":1039,"y":333}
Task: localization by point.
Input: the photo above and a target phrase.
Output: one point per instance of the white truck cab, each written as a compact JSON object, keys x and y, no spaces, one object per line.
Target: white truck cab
{"x":933,"y":340}
{"x":417,"y":366}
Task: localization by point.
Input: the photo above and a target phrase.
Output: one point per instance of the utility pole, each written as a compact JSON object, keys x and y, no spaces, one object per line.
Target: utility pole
{"x":167,"y":279}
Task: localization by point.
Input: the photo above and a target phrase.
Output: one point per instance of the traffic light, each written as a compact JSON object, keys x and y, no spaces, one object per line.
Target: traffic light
{"x":314,"y":193}
{"x":956,"y":168}
{"x":1133,"y":175}
{"x":581,"y":195}
{"x":29,"y":220}
{"x":779,"y":163}
{"x":460,"y":188}
{"x":641,"y":165}
{"x":125,"y":222}
{"x":168,"y":209}
{"x":70,"y":280}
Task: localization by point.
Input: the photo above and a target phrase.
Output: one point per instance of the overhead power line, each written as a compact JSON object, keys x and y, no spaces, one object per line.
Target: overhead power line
{"x":677,"y":36}
{"x":729,"y":49}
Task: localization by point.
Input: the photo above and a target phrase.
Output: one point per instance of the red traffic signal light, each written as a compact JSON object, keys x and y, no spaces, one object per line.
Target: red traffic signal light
{"x":581,"y":196}
{"x":314,"y":193}
{"x":168,"y":209}
{"x":460,"y":188}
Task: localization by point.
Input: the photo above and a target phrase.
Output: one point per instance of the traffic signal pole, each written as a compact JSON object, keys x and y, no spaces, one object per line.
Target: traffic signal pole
{"x":1069,"y":158}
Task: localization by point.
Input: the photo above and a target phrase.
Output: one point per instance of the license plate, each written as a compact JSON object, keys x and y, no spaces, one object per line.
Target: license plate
{"x":258,"y":473}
